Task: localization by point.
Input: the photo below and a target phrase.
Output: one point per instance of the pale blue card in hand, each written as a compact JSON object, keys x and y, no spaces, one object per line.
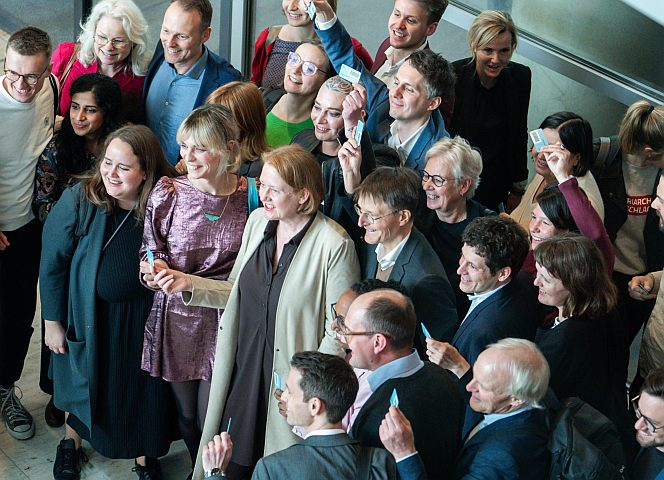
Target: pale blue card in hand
{"x":228,"y":427}
{"x":358,"y":132}
{"x":350,"y":74}
{"x":277,"y":381}
{"x":394,"y":399}
{"x":425,"y":331}
{"x":311,"y":10}
{"x":150,"y":256}
{"x":538,"y":138}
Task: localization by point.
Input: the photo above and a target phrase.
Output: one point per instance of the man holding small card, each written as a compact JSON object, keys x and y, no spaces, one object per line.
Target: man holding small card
{"x":379,"y":329}
{"x":405,"y":116}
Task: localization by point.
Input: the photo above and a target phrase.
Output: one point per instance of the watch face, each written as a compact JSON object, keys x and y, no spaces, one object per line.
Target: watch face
{"x":214,"y":471}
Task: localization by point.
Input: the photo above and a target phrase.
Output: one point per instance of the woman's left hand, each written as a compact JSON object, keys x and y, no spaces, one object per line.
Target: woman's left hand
{"x":172,"y":281}
{"x":559,"y":160}
{"x":148,"y":271}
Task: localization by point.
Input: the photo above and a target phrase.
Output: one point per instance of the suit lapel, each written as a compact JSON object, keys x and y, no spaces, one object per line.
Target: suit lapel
{"x":479,"y":309}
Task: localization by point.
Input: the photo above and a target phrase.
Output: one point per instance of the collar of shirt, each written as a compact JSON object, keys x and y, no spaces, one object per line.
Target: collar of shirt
{"x":494,"y":417}
{"x":404,"y":148}
{"x":387,"y":260}
{"x":388,"y":69}
{"x":271,"y":231}
{"x":197,"y":69}
{"x":401,"y":367}
{"x":475,"y":300}
{"x":325,"y":432}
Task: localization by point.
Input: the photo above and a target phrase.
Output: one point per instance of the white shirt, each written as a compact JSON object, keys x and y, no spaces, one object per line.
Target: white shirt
{"x":388,"y":259}
{"x":26,"y":130}
{"x":388,"y":69}
{"x":325,"y":432}
{"x":476,"y":299}
{"x":403,"y":148}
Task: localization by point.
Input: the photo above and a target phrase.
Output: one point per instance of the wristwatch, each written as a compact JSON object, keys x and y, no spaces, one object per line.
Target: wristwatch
{"x":215,"y":471}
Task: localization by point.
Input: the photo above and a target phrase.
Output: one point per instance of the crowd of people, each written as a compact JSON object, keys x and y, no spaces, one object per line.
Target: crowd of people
{"x":316,"y":273}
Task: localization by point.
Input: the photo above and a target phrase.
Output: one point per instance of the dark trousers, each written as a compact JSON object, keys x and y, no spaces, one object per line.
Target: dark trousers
{"x":19,"y":270}
{"x":634,"y":312}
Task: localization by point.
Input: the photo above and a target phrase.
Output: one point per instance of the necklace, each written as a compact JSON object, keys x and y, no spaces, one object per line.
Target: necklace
{"x":214,"y":218}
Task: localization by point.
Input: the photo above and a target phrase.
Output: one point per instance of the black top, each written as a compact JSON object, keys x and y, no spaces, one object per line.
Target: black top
{"x":259,"y":289}
{"x":495,"y":121}
{"x":648,"y":464}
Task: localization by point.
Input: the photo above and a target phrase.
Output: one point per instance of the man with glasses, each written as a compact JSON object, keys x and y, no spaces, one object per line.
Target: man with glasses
{"x":394,"y":250}
{"x":28,"y":114}
{"x":403,"y":115}
{"x":649,"y":410}
{"x":183,"y":72}
{"x":379,"y":330}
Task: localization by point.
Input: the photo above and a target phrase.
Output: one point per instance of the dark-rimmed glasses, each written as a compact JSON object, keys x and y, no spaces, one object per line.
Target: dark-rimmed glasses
{"x":649,"y":425}
{"x":436,"y":179}
{"x":308,"y":68}
{"x":30,"y":78}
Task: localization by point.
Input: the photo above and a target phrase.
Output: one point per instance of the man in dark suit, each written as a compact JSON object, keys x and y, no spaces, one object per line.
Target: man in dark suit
{"x":509,"y":380}
{"x":319,"y":390}
{"x":404,"y":116}
{"x":378,"y":329}
{"x":503,"y":302}
{"x":183,"y":72}
{"x":394,"y":250}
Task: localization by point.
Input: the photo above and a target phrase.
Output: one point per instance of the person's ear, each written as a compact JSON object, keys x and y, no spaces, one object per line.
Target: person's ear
{"x":431,"y":29}
{"x":206,"y":34}
{"x":434,"y":103}
{"x":465,"y":186}
{"x":404,"y":217}
{"x":504,"y":273}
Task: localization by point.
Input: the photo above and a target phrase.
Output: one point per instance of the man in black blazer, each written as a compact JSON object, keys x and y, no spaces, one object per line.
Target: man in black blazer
{"x":378,"y":329}
{"x":509,"y":380}
{"x":318,"y":391}
{"x":394,"y":250}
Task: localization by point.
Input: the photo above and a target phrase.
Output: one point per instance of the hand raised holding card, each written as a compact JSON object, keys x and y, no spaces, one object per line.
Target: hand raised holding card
{"x":561,"y":161}
{"x":353,"y":107}
{"x":350,"y":159}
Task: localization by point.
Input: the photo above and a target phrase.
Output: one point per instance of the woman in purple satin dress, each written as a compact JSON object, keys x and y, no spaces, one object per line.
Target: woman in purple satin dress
{"x":194,"y":224}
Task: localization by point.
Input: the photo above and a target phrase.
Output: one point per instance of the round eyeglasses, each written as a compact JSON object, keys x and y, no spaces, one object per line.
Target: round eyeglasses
{"x":308,"y":68}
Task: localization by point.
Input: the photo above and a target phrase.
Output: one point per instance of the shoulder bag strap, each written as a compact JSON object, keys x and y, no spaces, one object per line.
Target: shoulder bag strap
{"x":65,"y":73}
{"x":365,"y":456}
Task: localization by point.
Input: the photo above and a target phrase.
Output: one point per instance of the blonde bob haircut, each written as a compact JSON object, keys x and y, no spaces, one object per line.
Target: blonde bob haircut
{"x":300,"y":170}
{"x":487,"y":26}
{"x":134,"y":25}
{"x":642,"y":126}
{"x":213,"y":128}
{"x":464,"y":161}
{"x":145,"y":145}
{"x":245,"y":102}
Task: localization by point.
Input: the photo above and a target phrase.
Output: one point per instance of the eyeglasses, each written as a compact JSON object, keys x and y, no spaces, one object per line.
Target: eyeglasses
{"x":369,"y":217}
{"x":649,"y":425}
{"x":343,"y":330}
{"x":436,"y":179}
{"x":30,"y":78}
{"x":116,"y":42}
{"x":308,"y":68}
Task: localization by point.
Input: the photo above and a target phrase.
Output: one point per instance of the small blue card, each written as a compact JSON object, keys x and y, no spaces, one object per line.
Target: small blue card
{"x":150,"y":256}
{"x":228,"y":427}
{"x":538,"y":138}
{"x":425,"y":331}
{"x":277,"y":381}
{"x":311,"y":10}
{"x":350,"y":74}
{"x":394,"y":399}
{"x":358,"y":132}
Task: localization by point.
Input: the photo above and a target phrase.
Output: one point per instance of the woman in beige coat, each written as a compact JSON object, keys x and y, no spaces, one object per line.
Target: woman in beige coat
{"x":293,"y":264}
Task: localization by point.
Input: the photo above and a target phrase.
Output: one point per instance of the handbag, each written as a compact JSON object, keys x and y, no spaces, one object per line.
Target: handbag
{"x":65,"y":73}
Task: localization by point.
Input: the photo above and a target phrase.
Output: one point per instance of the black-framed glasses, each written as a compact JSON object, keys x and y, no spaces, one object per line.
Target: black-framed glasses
{"x":436,"y":179}
{"x":116,"y":42}
{"x":308,"y":68}
{"x":30,"y":78}
{"x":370,"y":219}
{"x":649,"y":425}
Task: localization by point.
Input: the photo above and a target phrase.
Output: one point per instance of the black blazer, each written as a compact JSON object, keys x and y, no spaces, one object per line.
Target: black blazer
{"x":419,"y":270}
{"x":513,"y":311}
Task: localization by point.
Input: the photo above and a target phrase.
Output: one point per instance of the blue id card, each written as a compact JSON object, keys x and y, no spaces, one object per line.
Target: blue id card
{"x":358,"y":132}
{"x":538,"y":138}
{"x":425,"y":331}
{"x":311,"y":10}
{"x":277,"y":381}
{"x":394,"y":399}
{"x":150,"y":256}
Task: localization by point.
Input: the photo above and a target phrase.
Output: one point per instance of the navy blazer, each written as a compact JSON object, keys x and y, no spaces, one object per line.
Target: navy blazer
{"x":419,"y":270}
{"x":218,"y":72}
{"x":513,"y":311}
{"x":512,"y":448}
{"x":339,"y":48}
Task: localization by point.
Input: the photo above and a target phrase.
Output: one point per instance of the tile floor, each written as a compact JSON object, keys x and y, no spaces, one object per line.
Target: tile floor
{"x":33,"y":459}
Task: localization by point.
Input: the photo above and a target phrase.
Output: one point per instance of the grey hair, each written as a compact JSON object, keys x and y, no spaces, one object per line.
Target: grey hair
{"x":134,"y":25}
{"x":464,"y":161}
{"x":528,"y":370}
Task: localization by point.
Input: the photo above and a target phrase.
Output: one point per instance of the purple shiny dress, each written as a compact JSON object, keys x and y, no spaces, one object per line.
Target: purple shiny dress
{"x":197,"y":233}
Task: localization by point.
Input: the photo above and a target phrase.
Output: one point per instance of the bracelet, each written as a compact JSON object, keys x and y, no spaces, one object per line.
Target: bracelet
{"x":213,"y":472}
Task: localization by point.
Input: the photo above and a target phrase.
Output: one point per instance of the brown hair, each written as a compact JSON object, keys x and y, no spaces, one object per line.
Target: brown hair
{"x":300,"y":170}
{"x":398,"y":187}
{"x":145,"y":145}
{"x":203,"y":7}
{"x":29,"y":41}
{"x":642,"y":126}
{"x":245,"y":102}
{"x":577,"y":262}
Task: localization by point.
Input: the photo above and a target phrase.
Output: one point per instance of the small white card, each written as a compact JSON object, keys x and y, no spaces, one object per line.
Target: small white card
{"x":350,"y":74}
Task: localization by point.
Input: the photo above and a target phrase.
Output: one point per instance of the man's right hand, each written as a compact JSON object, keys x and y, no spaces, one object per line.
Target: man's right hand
{"x":218,"y":452}
{"x":396,"y":433}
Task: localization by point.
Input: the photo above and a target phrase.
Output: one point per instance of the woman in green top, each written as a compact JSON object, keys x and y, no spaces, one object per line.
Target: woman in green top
{"x":307,"y":69}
